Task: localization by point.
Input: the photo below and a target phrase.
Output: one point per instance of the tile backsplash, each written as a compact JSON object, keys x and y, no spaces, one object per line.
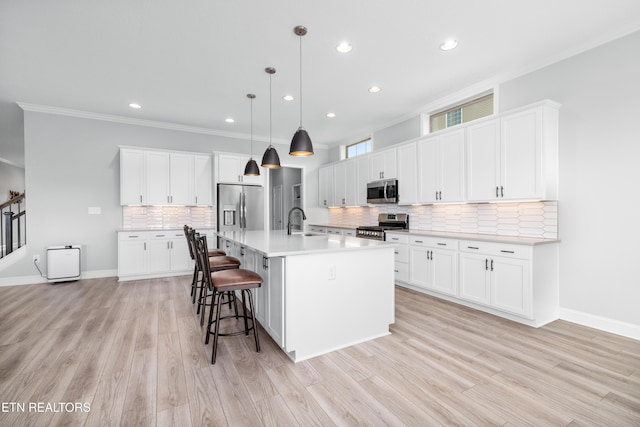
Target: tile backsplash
{"x":167,"y":216}
{"x":531,"y":219}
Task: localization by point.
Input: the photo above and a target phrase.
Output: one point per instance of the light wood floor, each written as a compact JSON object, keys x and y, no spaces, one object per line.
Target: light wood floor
{"x":134,"y":352}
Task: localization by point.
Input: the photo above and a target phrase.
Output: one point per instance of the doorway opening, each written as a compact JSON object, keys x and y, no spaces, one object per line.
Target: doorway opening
{"x":285,"y":190}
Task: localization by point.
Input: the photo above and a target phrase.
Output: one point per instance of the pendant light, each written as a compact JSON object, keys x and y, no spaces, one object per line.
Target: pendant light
{"x":251,"y":169}
{"x":301,"y":143}
{"x":270,"y":159}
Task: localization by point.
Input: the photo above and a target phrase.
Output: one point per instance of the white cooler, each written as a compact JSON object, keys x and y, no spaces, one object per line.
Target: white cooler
{"x":63,"y":263}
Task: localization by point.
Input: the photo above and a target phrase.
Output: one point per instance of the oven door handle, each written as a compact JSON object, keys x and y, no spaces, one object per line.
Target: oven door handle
{"x":385,"y":191}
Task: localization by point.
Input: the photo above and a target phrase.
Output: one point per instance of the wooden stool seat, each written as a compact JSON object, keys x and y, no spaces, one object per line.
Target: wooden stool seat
{"x":223,"y":262}
{"x":216,"y":252}
{"x":231,"y":280}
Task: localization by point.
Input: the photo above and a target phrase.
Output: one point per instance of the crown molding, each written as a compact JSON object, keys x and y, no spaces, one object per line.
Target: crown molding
{"x":144,"y":122}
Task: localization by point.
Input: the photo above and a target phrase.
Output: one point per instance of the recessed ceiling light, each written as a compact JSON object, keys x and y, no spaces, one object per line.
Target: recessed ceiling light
{"x":134,"y":105}
{"x":375,"y":89}
{"x":229,"y":120}
{"x":331,"y":115}
{"x":288,"y":98}
{"x":448,"y":45}
{"x":344,"y":47}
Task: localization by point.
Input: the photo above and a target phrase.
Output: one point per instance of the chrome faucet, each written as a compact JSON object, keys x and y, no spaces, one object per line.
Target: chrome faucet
{"x":289,"y":218}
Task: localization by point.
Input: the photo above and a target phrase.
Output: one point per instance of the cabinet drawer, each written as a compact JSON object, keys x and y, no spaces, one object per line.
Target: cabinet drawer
{"x":496,"y":249}
{"x":396,"y":238}
{"x":337,"y":231}
{"x":316,"y":229}
{"x":401,"y":271}
{"x":402,"y":253}
{"x":434,"y":242}
{"x":349,"y":232}
{"x":134,"y":235}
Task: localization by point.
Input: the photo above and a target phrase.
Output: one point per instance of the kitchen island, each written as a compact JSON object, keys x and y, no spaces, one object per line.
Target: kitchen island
{"x":320,"y":293}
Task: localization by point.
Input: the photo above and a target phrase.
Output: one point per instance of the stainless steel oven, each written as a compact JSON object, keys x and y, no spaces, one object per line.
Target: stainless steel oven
{"x":386,"y":222}
{"x":383,"y":191}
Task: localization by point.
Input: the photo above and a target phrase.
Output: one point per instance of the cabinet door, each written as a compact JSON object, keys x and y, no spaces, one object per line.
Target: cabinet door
{"x":428,"y":165}
{"x":418,"y":266}
{"x":229,"y":169}
{"x":202,"y":181}
{"x":521,"y":155}
{"x":131,"y":177}
{"x":159,"y":255}
{"x":475,"y":278}
{"x":182,"y":179}
{"x":451,"y":167}
{"x":483,"y":155}
{"x":444,"y":268}
{"x":132,"y":256}
{"x":275,"y":292}
{"x":407,"y":173}
{"x":362,"y":163}
{"x":376,"y":166}
{"x":510,"y":288}
{"x":340,"y":184}
{"x":325,"y":186}
{"x":351,"y":182}
{"x":262,"y":296}
{"x":180,"y":258}
{"x":156,"y":178}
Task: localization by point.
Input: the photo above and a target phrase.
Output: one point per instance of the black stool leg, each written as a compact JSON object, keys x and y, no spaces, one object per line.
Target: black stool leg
{"x":213,"y":302}
{"x":193,"y":282}
{"x":244,"y":312}
{"x":215,"y":334}
{"x":253,"y":321}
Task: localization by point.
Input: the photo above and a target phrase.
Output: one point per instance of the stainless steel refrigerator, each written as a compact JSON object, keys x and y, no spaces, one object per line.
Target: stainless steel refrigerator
{"x":240,"y":207}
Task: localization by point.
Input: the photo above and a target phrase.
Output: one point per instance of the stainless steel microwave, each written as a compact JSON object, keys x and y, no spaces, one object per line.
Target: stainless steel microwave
{"x":383,"y":191}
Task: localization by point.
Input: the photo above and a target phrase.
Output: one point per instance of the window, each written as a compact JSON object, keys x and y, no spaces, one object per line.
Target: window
{"x":358,"y":148}
{"x":463,"y":113}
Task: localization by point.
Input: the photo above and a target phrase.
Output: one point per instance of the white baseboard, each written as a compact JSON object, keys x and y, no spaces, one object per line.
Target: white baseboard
{"x":35,"y":279}
{"x":613,"y":326}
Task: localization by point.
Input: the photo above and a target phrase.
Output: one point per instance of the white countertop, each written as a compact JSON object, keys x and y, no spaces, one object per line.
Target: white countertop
{"x":278,"y":243}
{"x":138,"y":229}
{"x":517,"y":240}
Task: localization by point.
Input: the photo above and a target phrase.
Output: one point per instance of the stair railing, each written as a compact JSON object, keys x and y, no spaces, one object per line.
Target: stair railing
{"x":13,"y":225}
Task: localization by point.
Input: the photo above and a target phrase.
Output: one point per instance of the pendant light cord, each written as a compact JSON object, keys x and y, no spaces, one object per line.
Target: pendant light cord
{"x":300,"y":80}
{"x":270,"y":109}
{"x":251,"y":128}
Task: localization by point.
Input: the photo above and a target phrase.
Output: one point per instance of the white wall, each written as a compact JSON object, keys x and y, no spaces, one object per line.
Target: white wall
{"x":72,"y":163}
{"x":599,"y":203}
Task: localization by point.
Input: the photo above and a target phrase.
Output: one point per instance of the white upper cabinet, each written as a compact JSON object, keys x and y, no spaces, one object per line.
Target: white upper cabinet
{"x":382,"y":165}
{"x":230,"y":170}
{"x":149,"y":177}
{"x":131,"y":176}
{"x":340,"y":183}
{"x":407,"y":173}
{"x":441,"y":168}
{"x":514,"y":157}
{"x":203,"y":182}
{"x":325,"y":186}
{"x":362,"y":178}
{"x":157,"y":178}
{"x":181,"y":179}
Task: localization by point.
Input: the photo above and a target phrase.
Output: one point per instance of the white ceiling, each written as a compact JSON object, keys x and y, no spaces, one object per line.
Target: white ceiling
{"x":193,"y":62}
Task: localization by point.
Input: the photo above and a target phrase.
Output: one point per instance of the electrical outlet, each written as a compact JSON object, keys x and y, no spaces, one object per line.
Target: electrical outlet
{"x":332,"y":272}
{"x":36,"y":258}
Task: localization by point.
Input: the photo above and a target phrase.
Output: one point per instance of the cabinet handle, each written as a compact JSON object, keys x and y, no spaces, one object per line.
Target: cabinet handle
{"x":472,"y":247}
{"x":501,"y":191}
{"x":242,"y":251}
{"x":396,"y":252}
{"x":497,"y":192}
{"x":196,"y":200}
{"x":141,"y":198}
{"x":394,"y":238}
{"x":168,"y":245}
{"x":486,"y":264}
{"x":145,"y":246}
{"x":442,"y":244}
{"x":491,"y":265}
{"x":508,"y":252}
{"x":419,"y":241}
{"x":396,"y":271}
{"x":133,"y":237}
{"x":431,"y":255}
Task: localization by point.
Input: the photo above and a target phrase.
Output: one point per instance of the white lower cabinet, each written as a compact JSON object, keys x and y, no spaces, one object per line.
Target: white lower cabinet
{"x":148,"y":254}
{"x":519,"y":282}
{"x":433,"y":264}
{"x":269,"y":297}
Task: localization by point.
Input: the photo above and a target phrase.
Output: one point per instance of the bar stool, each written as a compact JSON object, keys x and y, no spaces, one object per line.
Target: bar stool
{"x":224,"y":281}
{"x":215,"y":264}
{"x":190,"y":235}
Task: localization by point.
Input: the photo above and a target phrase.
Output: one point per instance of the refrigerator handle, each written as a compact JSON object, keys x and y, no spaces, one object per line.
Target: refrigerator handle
{"x":243,"y":210}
